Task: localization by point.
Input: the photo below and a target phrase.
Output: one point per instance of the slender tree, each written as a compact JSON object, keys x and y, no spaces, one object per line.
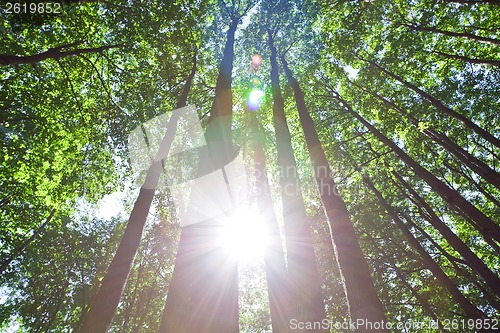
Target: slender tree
{"x":454,"y":262}
{"x":362,"y":297}
{"x":489,"y":62}
{"x":203,"y":294}
{"x":274,"y":257}
{"x":470,"y":310}
{"x":470,"y":257}
{"x":304,"y":276}
{"x":473,"y":37}
{"x":475,"y":164}
{"x":437,"y":103}
{"x":105,"y":302}
{"x":424,"y":304}
{"x":18,"y":251}
{"x":481,"y":222}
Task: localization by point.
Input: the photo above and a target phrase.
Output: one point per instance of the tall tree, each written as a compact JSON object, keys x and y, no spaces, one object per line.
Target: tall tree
{"x":470,"y":310}
{"x":480,"y":221}
{"x":304,"y":276}
{"x":104,"y":304}
{"x":209,"y":295}
{"x":364,"y":303}
{"x":437,"y":103}
{"x":473,"y":261}
{"x":274,"y":257}
{"x":480,"y":167}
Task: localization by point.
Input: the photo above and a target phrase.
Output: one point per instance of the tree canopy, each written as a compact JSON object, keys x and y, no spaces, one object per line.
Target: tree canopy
{"x":397,"y":101}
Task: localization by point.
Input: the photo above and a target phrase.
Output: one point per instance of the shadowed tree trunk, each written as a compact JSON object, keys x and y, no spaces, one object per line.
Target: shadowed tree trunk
{"x":470,"y":257}
{"x":438,"y":104}
{"x":401,"y":277}
{"x":470,"y":310}
{"x":470,"y":60}
{"x":307,"y":305}
{"x":474,"y":182}
{"x":203,"y":292}
{"x":444,"y":141}
{"x":274,"y":257}
{"x":105,"y":302}
{"x":481,"y":222}
{"x":455,"y":261}
{"x":362,"y":297}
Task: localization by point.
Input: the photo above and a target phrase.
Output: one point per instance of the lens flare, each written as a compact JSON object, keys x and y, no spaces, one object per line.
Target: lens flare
{"x":256,"y":61}
{"x":254,"y":100}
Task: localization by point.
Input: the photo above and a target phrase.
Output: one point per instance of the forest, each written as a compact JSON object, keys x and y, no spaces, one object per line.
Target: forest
{"x":226,"y":166}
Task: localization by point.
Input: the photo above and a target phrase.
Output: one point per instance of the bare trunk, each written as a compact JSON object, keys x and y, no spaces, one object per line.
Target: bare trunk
{"x":421,"y":300}
{"x":53,"y":53}
{"x":470,"y":257}
{"x":470,"y":60}
{"x":203,"y":292}
{"x":439,"y":105}
{"x":274,"y":257}
{"x":470,"y":310}
{"x":105,"y":302}
{"x":444,"y":141}
{"x":454,"y":261}
{"x":481,"y":222}
{"x":363,"y":301}
{"x":302,"y":266}
{"x":487,"y":40}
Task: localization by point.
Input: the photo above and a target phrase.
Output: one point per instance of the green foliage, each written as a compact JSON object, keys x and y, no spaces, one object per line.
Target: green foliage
{"x":64,"y":125}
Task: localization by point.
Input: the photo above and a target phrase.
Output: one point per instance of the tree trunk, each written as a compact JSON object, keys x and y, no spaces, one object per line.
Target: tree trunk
{"x":362,"y":297}
{"x":421,"y":300}
{"x":481,"y":222}
{"x":470,"y":310}
{"x":53,"y":53}
{"x":444,"y":141}
{"x":203,"y":292}
{"x":274,"y":257}
{"x":438,"y":104}
{"x":470,"y":60}
{"x":474,"y":182}
{"x":308,"y":304}
{"x":470,"y":257}
{"x":27,"y":242}
{"x":105,"y":302}
{"x":454,"y":261}
{"x":487,"y":40}
{"x":219,"y":121}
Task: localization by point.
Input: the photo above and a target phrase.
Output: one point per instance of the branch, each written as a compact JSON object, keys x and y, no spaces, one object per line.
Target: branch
{"x":78,"y":104}
{"x":103,"y":83}
{"x":53,"y":53}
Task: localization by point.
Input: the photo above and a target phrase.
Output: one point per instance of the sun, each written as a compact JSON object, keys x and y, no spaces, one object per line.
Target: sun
{"x":245,"y":235}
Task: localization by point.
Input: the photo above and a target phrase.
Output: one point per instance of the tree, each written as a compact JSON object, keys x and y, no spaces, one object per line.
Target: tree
{"x":304,"y":276}
{"x":276,"y":271}
{"x":364,"y":303}
{"x":200,"y":298}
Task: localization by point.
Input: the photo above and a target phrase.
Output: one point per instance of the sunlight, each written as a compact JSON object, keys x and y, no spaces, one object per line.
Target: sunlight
{"x":245,"y":236}
{"x":255,"y":99}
